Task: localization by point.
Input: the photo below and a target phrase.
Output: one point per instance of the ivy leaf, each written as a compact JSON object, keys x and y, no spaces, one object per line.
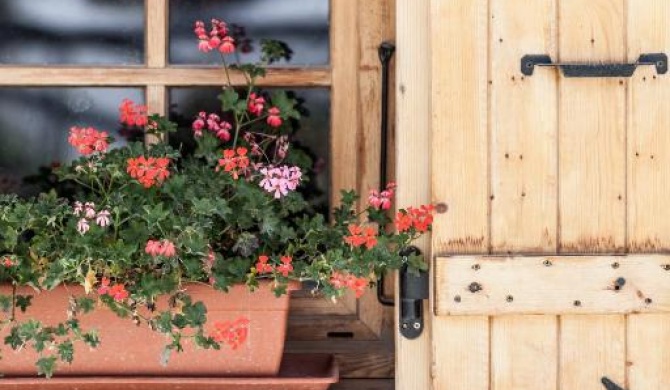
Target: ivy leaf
{"x":86,"y":305}
{"x":91,"y":339}
{"x":46,"y":366}
{"x":195,"y":314}
{"x":5,"y":303}
{"x":66,"y":351}
{"x":229,"y":99}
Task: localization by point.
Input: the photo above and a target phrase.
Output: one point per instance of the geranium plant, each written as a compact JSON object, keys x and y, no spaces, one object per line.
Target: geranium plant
{"x":149,"y":219}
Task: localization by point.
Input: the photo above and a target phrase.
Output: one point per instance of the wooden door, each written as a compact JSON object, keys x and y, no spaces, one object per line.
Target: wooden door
{"x":550,"y":267}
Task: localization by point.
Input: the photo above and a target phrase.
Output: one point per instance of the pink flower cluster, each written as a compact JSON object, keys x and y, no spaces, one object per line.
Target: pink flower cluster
{"x":382,"y":200}
{"x":214,"y":124}
{"x":256,"y":104}
{"x":88,"y":140}
{"x":217,"y":38}
{"x":8,"y":262}
{"x":132,"y":114}
{"x":87,"y":212}
{"x":160,"y":248}
{"x":280,"y":180}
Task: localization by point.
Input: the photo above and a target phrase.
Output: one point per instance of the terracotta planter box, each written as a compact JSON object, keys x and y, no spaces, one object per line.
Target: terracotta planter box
{"x":128,"y":350}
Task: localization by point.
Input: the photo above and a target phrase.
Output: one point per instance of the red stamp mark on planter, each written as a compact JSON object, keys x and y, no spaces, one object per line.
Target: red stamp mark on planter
{"x":234,"y":333}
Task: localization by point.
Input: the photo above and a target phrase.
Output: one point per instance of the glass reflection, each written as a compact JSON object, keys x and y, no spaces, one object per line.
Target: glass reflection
{"x":77,"y":32}
{"x":34,"y":126}
{"x":302,"y":24}
{"x":312,"y":136}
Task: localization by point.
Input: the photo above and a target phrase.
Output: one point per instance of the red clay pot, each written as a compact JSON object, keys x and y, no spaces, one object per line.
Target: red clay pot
{"x":129,"y":350}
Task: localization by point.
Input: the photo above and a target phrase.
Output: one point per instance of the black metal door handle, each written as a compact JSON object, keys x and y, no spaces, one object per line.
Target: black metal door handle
{"x":609,"y":385}
{"x":658,"y":60}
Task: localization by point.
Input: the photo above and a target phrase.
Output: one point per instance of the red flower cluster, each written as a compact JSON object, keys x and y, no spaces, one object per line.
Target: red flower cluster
{"x":117,"y":291}
{"x":8,"y":262}
{"x":262,"y":265}
{"x":420,"y":219}
{"x":160,"y":248}
{"x":234,"y":161}
{"x":133,"y":114}
{"x":382,"y":200}
{"x":88,"y":140}
{"x":256,"y":104}
{"x":214,"y":124}
{"x":285,"y":268}
{"x":361,"y":236}
{"x":233,"y":333}
{"x":274,"y":118}
{"x":149,"y":171}
{"x":217,"y":38}
{"x":353,"y":283}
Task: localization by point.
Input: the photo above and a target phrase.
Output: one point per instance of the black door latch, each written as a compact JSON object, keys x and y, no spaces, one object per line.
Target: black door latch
{"x":413,"y":290}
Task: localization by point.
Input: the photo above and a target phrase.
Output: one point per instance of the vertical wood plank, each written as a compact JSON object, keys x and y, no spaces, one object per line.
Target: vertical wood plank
{"x":648,"y":185}
{"x":156,"y":33}
{"x":592,"y":347}
{"x":649,"y":352}
{"x":413,"y":133}
{"x":461,"y":346}
{"x":371,"y":31}
{"x":524,"y":124}
{"x":523,"y":128}
{"x":592,"y":193}
{"x":156,"y":100}
{"x":592,"y":130}
{"x":524,"y":353}
{"x":459,"y":33}
{"x":648,"y":140}
{"x":460,"y":133}
{"x":346,"y":114}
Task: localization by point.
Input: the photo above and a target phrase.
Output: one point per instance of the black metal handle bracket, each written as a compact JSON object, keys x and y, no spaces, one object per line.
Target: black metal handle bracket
{"x":413,"y":291}
{"x":658,"y":60}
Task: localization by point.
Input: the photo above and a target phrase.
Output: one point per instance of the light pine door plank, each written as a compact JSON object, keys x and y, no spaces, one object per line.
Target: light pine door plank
{"x":592,"y":129}
{"x":459,"y":119}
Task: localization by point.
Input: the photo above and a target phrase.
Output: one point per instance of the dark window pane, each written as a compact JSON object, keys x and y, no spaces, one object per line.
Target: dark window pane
{"x":78,"y":32}
{"x":302,"y":24}
{"x":34,"y":127}
{"x":312,"y":136}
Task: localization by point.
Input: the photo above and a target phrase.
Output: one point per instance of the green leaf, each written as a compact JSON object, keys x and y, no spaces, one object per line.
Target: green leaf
{"x":5,"y":303}
{"x":46,"y":366}
{"x":23,"y":302}
{"x":91,"y":339}
{"x":66,"y":351}
{"x":85,"y":305}
{"x":195,"y":314}
{"x":229,"y":99}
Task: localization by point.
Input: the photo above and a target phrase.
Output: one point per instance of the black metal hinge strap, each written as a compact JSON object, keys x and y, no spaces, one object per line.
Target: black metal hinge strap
{"x":658,"y":60}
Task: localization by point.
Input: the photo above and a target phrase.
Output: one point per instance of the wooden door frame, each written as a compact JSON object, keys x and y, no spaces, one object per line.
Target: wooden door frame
{"x":413,"y":160}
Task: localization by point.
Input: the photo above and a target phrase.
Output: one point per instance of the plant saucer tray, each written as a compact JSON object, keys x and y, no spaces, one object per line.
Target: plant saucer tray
{"x":298,"y":372}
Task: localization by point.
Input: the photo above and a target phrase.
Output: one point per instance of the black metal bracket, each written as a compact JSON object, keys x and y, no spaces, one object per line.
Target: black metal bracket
{"x":386,"y":51}
{"x":609,"y":385}
{"x":658,"y":60}
{"x":413,"y":290}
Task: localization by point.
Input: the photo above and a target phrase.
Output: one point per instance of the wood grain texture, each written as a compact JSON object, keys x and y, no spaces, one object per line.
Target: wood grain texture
{"x":413,"y":135}
{"x":523,"y":129}
{"x":172,"y":76}
{"x":524,"y":352}
{"x":156,"y":33}
{"x":461,"y":348}
{"x":372,"y":18}
{"x":345,"y":110}
{"x":648,"y":352}
{"x":156,"y":101}
{"x":552,"y":285}
{"x":649,"y":116}
{"x":592,"y":347}
{"x":459,"y":124}
{"x":592,"y":130}
{"x":364,"y":384}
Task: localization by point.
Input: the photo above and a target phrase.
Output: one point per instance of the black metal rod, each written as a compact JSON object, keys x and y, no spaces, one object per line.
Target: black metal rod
{"x":386,"y":51}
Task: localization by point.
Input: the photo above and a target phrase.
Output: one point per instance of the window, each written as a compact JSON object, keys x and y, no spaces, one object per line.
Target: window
{"x":62,"y":63}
